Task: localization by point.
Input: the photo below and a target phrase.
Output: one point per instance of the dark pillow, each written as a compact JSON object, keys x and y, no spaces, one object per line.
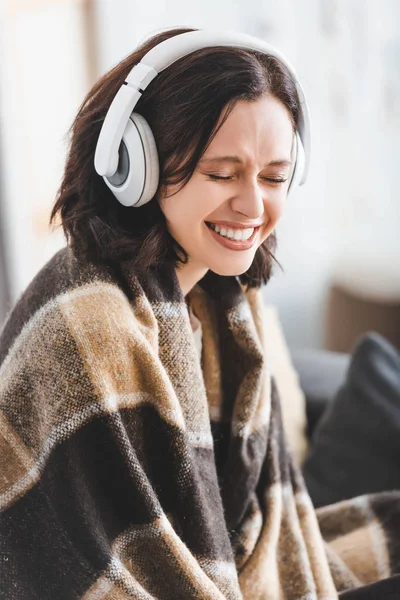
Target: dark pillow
{"x":355,"y":448}
{"x":386,"y":589}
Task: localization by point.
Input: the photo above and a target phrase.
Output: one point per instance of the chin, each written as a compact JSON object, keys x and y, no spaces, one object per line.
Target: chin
{"x":232,"y":271}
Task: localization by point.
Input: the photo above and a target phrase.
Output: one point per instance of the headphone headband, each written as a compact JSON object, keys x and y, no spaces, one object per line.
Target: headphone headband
{"x":159,"y":58}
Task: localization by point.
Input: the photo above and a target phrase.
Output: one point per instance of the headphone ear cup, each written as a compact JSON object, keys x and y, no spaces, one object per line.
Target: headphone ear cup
{"x":136,"y":180}
{"x":298,"y":159}
{"x":152,"y":166}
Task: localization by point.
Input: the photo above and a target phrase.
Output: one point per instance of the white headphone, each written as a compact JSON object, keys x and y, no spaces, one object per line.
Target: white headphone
{"x":126,"y":153}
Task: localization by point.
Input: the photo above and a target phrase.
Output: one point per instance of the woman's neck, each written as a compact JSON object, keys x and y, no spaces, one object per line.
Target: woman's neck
{"x":188,"y":275}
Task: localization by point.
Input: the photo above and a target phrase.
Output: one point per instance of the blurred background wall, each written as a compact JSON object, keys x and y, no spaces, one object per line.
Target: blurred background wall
{"x":340,"y":233}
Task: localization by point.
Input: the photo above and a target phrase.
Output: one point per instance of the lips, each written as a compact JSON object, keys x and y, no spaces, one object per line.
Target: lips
{"x":233,"y":244}
{"x":230,"y":225}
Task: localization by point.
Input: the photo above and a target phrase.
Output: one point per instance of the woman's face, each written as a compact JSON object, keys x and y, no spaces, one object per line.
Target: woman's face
{"x":233,"y":188}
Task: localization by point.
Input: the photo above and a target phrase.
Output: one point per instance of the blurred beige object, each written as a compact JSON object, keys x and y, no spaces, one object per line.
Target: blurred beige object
{"x":87,"y":9}
{"x":40,"y":221}
{"x":365,"y":296}
{"x":349,"y":316}
{"x":50,"y":62}
{"x":14,"y":6}
{"x":292,"y":398}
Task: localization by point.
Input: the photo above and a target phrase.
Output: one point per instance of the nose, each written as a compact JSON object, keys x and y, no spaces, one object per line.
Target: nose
{"x":250,"y":201}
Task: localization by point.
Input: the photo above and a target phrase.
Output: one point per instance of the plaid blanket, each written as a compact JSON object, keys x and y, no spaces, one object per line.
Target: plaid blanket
{"x":129,"y":469}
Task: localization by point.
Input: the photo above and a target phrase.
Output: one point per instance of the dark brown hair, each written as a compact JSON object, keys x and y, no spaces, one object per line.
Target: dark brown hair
{"x":182,"y":107}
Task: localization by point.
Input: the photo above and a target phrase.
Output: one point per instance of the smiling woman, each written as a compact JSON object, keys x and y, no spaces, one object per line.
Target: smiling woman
{"x":243,"y":103}
{"x":129,"y":468}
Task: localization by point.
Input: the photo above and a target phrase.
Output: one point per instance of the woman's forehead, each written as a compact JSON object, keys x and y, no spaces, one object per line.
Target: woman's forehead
{"x":259,"y":129}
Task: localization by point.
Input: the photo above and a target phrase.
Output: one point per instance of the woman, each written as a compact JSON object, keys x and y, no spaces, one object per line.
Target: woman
{"x":130,"y":469}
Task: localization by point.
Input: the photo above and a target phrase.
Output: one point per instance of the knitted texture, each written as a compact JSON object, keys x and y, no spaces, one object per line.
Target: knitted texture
{"x":129,"y":469}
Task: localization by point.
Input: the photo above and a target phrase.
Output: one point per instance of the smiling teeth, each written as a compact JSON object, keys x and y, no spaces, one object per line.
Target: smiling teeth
{"x":233,"y":234}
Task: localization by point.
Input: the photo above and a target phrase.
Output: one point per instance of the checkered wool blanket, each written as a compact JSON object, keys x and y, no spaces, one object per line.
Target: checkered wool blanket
{"x":130,"y":470}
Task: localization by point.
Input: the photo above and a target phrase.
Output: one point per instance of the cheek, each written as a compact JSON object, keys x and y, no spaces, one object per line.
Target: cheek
{"x":274,"y":212}
{"x":275,"y":209}
{"x":172,"y":207}
{"x":280,"y":208}
{"x":184,"y":214}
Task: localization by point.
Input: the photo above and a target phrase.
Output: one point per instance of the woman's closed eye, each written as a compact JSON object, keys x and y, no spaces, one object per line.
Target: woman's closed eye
{"x":215,"y":177}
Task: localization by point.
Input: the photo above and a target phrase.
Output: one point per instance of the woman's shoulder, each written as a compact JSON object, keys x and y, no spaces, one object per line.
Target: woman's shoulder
{"x":62,"y":284}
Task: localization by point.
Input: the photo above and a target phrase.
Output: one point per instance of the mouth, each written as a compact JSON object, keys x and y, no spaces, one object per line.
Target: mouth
{"x":230,"y":243}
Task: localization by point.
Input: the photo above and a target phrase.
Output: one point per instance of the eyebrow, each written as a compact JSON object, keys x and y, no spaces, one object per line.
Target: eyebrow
{"x":235,"y":159}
